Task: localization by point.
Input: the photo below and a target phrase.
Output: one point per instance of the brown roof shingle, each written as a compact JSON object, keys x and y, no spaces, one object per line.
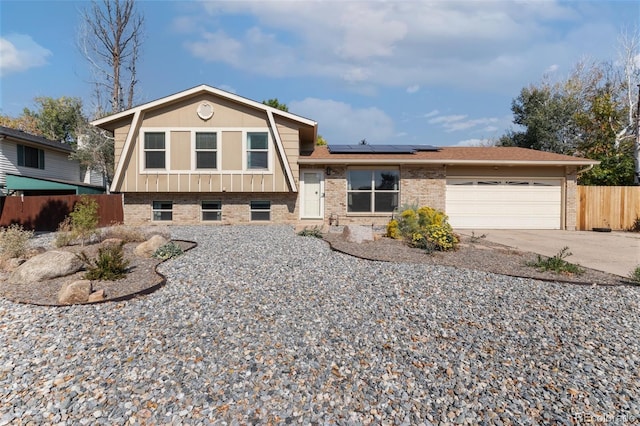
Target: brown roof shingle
{"x":454,"y":155}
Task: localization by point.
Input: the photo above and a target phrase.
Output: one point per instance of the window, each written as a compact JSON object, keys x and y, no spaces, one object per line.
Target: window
{"x":206,"y":151}
{"x":30,"y":157}
{"x":162,"y":210}
{"x":260,"y":210}
{"x":257,"y":151}
{"x":154,"y":150}
{"x":372,"y":191}
{"x":211,"y":210}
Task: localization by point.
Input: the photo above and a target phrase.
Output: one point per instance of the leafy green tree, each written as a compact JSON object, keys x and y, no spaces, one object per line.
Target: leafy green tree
{"x":84,"y":218}
{"x":276,"y":104}
{"x":586,"y":115}
{"x":25,"y":123}
{"x":320,"y":141}
{"x":55,"y":119}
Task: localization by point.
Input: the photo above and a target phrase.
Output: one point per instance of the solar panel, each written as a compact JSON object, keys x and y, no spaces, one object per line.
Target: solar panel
{"x":380,"y":149}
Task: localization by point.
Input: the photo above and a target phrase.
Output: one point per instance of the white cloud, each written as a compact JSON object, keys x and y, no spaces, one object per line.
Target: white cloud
{"x":552,"y":68}
{"x":483,"y":45}
{"x":340,"y":123}
{"x":432,"y":113}
{"x":413,"y":88}
{"x":454,"y":123}
{"x":19,"y":53}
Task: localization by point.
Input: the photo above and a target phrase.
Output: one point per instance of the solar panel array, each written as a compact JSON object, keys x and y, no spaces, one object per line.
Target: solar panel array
{"x":380,"y":149}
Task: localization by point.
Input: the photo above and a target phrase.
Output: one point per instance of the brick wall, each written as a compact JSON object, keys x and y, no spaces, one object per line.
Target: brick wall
{"x":424,"y":185}
{"x":186,"y":207}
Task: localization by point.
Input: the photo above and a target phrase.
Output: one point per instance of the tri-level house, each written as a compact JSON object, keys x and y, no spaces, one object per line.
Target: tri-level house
{"x":33,"y":165}
{"x":208,"y":156}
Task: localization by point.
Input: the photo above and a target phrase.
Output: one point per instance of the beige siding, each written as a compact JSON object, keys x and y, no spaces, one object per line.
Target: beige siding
{"x":180,"y":149}
{"x":184,"y":114}
{"x":120,"y":136}
{"x":290,"y":136}
{"x":180,"y":120}
{"x":231,"y":148}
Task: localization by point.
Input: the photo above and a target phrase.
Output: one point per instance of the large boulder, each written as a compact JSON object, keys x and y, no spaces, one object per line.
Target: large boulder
{"x":147,"y":248}
{"x":74,"y":292}
{"x":357,"y":233}
{"x":50,"y":264}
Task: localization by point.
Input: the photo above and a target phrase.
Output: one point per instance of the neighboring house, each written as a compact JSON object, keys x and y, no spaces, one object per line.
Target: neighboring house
{"x":33,"y":165}
{"x":208,"y":156}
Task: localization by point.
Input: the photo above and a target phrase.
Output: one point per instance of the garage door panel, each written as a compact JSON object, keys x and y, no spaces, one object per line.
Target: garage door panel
{"x":511,"y":203}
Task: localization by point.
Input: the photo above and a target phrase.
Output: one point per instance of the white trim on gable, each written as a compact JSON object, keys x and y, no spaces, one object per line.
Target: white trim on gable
{"x":281,"y":152}
{"x":202,"y":89}
{"x":126,"y":150}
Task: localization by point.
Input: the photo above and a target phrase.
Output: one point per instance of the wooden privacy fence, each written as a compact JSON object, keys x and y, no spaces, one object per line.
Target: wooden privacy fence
{"x":45,"y":213}
{"x":615,"y":207}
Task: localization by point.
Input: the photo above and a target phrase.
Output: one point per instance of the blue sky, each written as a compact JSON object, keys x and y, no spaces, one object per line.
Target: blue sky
{"x":440,"y":72}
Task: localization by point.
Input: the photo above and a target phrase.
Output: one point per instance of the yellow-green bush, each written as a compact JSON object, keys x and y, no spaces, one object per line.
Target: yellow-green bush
{"x":426,"y":228}
{"x":392,"y":230}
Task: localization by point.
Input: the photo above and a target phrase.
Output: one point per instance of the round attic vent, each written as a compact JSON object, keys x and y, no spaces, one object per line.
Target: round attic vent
{"x":205,"y":111}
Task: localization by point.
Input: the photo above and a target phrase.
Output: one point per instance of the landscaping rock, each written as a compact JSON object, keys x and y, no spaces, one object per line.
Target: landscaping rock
{"x":357,"y":233}
{"x":13,"y":263}
{"x":111,"y":242}
{"x":147,"y":248}
{"x":97,"y":296}
{"x":74,"y":292}
{"x":51,"y":264}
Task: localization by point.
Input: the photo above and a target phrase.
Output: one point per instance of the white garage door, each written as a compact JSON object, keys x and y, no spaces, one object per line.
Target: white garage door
{"x":504,"y":203}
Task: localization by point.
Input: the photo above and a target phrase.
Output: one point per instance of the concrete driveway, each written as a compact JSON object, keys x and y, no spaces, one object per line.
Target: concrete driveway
{"x":614,"y":252}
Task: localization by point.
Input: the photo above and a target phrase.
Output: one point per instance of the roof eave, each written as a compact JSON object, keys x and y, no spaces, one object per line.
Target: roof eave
{"x":368,"y":161}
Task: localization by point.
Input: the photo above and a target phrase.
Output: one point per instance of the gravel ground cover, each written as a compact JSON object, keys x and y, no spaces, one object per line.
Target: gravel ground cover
{"x":257,"y":325}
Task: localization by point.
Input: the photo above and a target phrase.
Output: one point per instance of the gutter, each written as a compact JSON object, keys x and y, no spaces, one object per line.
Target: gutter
{"x":368,"y":161}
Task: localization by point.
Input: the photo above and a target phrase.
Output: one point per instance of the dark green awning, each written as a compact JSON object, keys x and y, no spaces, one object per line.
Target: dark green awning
{"x":24,"y":183}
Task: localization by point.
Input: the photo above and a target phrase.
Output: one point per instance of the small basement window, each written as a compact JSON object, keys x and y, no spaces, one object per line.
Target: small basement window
{"x":260,"y":210}
{"x":211,"y":210}
{"x":162,"y":211}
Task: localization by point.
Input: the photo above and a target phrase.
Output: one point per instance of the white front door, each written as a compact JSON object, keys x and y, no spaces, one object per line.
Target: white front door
{"x":313,"y":188}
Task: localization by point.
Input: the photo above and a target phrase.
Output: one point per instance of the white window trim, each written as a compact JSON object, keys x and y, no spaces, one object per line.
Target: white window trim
{"x":209,"y":210}
{"x":167,"y":149}
{"x":245,"y":148}
{"x":218,"y":151}
{"x":372,"y":191}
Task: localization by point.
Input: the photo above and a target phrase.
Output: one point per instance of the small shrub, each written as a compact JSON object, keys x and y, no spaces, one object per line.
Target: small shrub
{"x":557,"y":263}
{"x":311,"y":232}
{"x":392,"y":229}
{"x":109,"y":265}
{"x":635,"y":275}
{"x":64,"y":236}
{"x":476,"y":238}
{"x":425,"y":228}
{"x":168,"y":251}
{"x":84,"y":218}
{"x":635,"y":227}
{"x":13,"y":241}
{"x":420,"y":241}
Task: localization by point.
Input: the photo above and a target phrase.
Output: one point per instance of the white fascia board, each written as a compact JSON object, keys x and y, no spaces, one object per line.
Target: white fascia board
{"x":281,"y":152}
{"x":203,"y":89}
{"x":126,"y":150}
